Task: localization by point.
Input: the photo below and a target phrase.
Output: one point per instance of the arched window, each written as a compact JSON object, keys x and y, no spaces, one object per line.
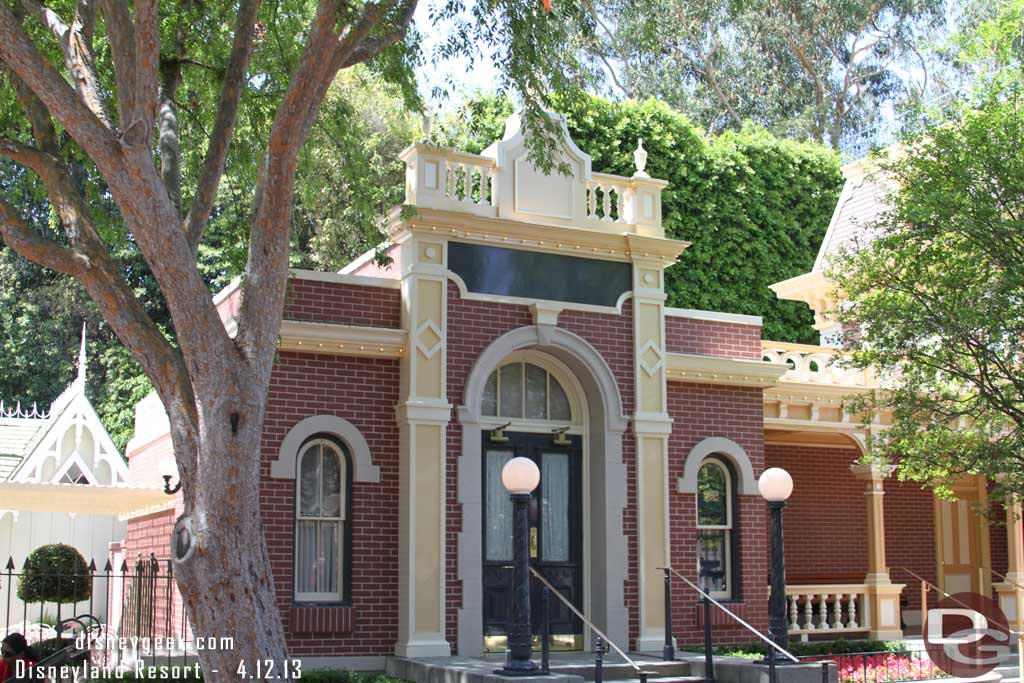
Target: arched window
{"x":716,"y":517}
{"x":321,"y":522}
{"x":526,"y":391}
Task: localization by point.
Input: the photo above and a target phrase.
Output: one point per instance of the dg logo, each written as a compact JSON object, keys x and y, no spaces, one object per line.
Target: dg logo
{"x":967,"y":635}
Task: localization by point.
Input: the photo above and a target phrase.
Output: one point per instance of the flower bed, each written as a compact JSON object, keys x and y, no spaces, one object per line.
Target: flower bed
{"x":884,"y":667}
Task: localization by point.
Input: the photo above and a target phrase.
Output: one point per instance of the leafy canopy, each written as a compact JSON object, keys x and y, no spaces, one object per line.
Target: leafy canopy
{"x":938,"y":298}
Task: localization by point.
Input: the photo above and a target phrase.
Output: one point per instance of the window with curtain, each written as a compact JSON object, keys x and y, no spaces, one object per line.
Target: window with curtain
{"x":525,"y":390}
{"x":715,"y":537}
{"x":321,"y":516}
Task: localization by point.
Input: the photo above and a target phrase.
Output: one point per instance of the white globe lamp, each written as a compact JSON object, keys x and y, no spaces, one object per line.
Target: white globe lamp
{"x":520,"y":475}
{"x":775,"y":485}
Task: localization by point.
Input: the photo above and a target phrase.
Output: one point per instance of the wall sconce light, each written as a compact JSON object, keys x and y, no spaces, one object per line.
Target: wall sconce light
{"x":560,"y":438}
{"x":498,"y":434}
{"x":169,"y":470}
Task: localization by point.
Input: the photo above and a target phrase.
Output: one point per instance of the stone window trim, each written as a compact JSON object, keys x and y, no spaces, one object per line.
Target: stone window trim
{"x":343,"y":539}
{"x":363,"y":467}
{"x":727,"y":449}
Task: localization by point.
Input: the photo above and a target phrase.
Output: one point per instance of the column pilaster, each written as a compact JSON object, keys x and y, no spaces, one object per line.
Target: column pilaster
{"x":652,"y":427}
{"x":422,"y":414}
{"x":882,"y":613}
{"x":1011,"y":596}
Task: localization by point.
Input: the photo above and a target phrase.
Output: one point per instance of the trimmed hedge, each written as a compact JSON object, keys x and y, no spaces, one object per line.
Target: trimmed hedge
{"x":754,"y":207}
{"x":55,"y":573}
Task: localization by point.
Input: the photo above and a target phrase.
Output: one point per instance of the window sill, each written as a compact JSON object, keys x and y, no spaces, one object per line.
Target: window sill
{"x":320,"y":619}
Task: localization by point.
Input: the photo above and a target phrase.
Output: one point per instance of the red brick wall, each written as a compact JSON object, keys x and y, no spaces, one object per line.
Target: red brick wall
{"x":826,"y":526}
{"x":910,"y":536}
{"x":343,"y":304}
{"x":700,"y":411}
{"x":150,"y":536}
{"x":712,"y":338}
{"x":364,"y":392}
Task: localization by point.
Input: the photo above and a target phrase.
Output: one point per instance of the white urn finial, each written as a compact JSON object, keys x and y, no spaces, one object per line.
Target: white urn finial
{"x":425,"y":125}
{"x":640,"y":158}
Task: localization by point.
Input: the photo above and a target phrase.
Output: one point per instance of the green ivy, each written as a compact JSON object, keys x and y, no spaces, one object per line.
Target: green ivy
{"x":754,"y":207}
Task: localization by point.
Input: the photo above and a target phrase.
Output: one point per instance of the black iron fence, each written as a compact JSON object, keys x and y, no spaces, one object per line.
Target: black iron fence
{"x":888,"y":666}
{"x":133,"y":613}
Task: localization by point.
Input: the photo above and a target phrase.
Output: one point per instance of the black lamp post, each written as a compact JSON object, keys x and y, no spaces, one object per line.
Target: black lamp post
{"x":775,"y":486}
{"x":520,"y":476}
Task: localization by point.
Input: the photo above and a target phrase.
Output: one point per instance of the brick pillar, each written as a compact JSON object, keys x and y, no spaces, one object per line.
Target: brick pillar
{"x":882,"y":613}
{"x":652,"y":426}
{"x":423,"y":414}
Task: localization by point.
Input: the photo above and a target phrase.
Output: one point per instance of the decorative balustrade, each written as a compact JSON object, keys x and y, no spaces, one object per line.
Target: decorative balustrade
{"x":828,"y":608}
{"x":606,"y":198}
{"x":440,"y":178}
{"x":815,"y":365}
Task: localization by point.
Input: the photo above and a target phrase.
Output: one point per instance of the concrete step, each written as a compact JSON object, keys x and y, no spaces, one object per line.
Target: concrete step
{"x":664,"y":672}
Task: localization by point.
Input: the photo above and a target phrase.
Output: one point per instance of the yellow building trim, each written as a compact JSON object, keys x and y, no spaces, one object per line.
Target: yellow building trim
{"x":686,"y":367}
{"x":342,"y":340}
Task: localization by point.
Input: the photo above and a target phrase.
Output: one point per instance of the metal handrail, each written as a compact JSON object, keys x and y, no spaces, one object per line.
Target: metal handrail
{"x":594,"y":628}
{"x":733,"y":615}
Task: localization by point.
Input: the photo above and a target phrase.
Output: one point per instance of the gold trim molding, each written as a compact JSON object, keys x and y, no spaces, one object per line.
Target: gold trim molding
{"x":342,"y":340}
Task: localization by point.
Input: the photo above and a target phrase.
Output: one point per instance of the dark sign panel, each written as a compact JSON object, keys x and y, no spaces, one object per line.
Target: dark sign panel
{"x":532,"y":275}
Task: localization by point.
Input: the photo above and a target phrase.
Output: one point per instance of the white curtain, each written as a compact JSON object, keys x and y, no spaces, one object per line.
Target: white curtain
{"x":498,"y":516}
{"x":554,"y":521}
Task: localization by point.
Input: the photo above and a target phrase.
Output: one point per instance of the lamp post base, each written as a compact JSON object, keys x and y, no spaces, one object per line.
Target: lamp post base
{"x":519,"y":667}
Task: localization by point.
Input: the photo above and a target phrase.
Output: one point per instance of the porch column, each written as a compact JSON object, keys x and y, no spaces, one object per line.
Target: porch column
{"x":882,"y":613}
{"x":422,"y":414}
{"x":652,"y":426}
{"x":1009,"y":591}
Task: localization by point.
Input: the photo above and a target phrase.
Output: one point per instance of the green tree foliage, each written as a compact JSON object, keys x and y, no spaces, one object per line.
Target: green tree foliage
{"x":755,"y":208}
{"x":803,"y":68}
{"x":938,"y":299}
{"x":55,"y":573}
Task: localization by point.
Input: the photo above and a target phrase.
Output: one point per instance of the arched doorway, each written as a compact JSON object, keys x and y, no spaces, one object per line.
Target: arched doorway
{"x":534,"y":407}
{"x":595,"y":427}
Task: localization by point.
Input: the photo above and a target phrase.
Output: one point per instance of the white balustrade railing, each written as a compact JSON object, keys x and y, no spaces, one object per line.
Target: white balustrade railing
{"x":605,"y":198}
{"x":814,"y":364}
{"x":830,"y":608}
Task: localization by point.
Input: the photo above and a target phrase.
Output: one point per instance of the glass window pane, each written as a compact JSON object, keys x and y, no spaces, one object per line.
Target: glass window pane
{"x":713,"y":546}
{"x":489,"y":405}
{"x":331,"y":469}
{"x":554,"y":513}
{"x":536,"y":392}
{"x":309,"y":482}
{"x":305,"y":557}
{"x":327,"y":557}
{"x":511,"y":390}
{"x":712,"y":496}
{"x":498,"y":515}
{"x":559,"y":402}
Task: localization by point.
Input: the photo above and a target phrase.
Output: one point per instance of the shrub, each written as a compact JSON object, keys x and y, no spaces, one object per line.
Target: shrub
{"x":55,"y":573}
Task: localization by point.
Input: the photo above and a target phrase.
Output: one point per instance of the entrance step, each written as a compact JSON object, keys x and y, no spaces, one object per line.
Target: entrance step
{"x":663,"y":672}
{"x":462,"y":670}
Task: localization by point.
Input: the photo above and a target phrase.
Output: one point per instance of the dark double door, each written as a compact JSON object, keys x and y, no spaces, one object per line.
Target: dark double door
{"x":556,"y":535}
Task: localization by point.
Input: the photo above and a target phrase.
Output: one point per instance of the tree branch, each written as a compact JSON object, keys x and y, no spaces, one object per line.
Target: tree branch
{"x":18,"y":52}
{"x":33,"y":246}
{"x":147,"y":72}
{"x":77,"y":51}
{"x":122,"y":45}
{"x":224,"y":123}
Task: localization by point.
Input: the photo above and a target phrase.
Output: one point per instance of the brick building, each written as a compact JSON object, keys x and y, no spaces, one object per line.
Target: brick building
{"x":524,"y":314}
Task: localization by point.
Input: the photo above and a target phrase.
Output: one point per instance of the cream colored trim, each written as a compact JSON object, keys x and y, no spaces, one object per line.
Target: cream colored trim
{"x":345,"y":340}
{"x":228,"y":290}
{"x":722,"y":447}
{"x":546,"y":304}
{"x":716,"y":316}
{"x":686,"y":367}
{"x":463,"y":227}
{"x":170,"y":504}
{"x":363,"y":468}
{"x":96,"y":499}
{"x":844,"y":196}
{"x":345,"y":278}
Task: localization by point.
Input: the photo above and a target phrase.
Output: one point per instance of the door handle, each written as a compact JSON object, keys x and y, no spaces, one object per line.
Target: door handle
{"x":533,"y":542}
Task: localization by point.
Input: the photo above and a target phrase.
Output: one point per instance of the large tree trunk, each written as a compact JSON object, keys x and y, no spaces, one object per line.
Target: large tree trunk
{"x":221,"y":560}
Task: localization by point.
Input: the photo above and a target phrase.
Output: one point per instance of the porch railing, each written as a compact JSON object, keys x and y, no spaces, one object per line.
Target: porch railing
{"x":814,"y":365}
{"x":826,"y":608}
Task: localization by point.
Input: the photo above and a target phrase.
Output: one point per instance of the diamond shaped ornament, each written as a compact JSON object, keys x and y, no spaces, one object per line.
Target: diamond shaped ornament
{"x":651,"y":358}
{"x":428,"y":339}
